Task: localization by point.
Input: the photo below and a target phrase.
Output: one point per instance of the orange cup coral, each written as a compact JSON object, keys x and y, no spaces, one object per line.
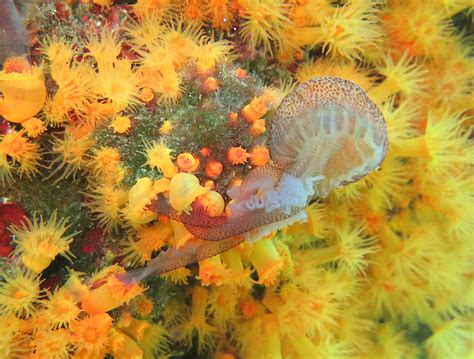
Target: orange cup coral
{"x":24,"y":94}
{"x":108,"y":292}
{"x":184,"y":189}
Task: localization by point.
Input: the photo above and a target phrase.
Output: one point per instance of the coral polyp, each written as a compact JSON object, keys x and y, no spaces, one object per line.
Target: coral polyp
{"x":19,"y":292}
{"x":38,"y":242}
{"x":236,"y":179}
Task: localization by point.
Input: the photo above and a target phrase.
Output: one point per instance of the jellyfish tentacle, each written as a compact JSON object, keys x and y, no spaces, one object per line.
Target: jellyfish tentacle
{"x":193,"y":251}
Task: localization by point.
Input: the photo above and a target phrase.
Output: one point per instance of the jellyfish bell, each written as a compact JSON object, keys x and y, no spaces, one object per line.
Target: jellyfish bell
{"x":329,"y":127}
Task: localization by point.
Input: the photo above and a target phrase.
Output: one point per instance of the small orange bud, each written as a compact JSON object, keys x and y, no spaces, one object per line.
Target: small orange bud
{"x":227,"y":210}
{"x":209,"y":184}
{"x":121,"y":124}
{"x":187,"y":162}
{"x":254,"y":110}
{"x":236,"y":181}
{"x":237,"y":155}
{"x":16,"y":64}
{"x":146,"y":94}
{"x":205,"y":151}
{"x":213,"y":169}
{"x":299,"y":55}
{"x":163,"y":219}
{"x":241,"y":73}
{"x":33,"y":126}
{"x":210,"y":84}
{"x":259,"y":156}
{"x":166,"y":127}
{"x":233,"y":117}
{"x":248,"y":308}
{"x":257,"y":128}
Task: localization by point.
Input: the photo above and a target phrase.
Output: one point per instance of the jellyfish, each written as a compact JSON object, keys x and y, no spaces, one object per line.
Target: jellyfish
{"x":14,"y":38}
{"x":326,"y":134}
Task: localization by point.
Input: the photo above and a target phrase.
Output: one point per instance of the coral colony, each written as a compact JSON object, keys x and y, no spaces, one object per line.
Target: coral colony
{"x":236,"y":179}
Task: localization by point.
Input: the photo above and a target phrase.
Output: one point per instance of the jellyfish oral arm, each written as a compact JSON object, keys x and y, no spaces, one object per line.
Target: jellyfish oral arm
{"x":263,"y":231}
{"x":291,"y":193}
{"x":193,"y":251}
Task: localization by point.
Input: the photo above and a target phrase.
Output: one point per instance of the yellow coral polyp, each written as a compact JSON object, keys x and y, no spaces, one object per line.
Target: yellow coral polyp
{"x":196,"y":323}
{"x":107,"y":203}
{"x":166,"y":127}
{"x":136,"y":328}
{"x":143,"y":306}
{"x":254,"y":110}
{"x":150,"y":239}
{"x":208,"y":54}
{"x":71,"y":154}
{"x":351,"y":30}
{"x":104,"y":161}
{"x":19,"y":292}
{"x":75,"y":91}
{"x":61,"y":308}
{"x":118,"y":84}
{"x":52,"y":343}
{"x":21,"y":151}
{"x":109,"y":292}
{"x":121,"y":124}
{"x":213,"y":203}
{"x":181,"y":234}
{"x":266,"y":260}
{"x":75,"y":287}
{"x":33,"y":127}
{"x":232,"y":260}
{"x":38,"y":242}
{"x":139,"y":198}
{"x":213,"y":271}
{"x":90,"y":335}
{"x":123,"y":346}
{"x":24,"y":94}
{"x":263,"y":22}
{"x":184,"y":189}
{"x":158,"y":156}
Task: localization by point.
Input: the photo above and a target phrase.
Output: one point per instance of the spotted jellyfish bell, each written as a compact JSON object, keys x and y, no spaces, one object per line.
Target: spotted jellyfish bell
{"x":328,"y":127}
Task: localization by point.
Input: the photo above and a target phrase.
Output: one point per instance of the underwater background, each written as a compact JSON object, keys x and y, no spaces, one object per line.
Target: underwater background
{"x":108,"y":105}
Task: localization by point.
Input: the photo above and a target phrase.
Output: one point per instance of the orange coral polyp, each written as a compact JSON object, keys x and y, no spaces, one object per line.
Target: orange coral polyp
{"x":237,"y":155}
{"x":257,"y":128}
{"x":259,"y":156}
{"x":213,"y":203}
{"x":254,"y":110}
{"x":24,"y":94}
{"x":33,"y":127}
{"x":187,"y":162}
{"x":109,"y":294}
{"x":266,"y":260}
{"x":16,"y":64}
{"x":210,"y":84}
{"x":184,"y":189}
{"x":214,"y":169}
{"x":213,"y":271}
